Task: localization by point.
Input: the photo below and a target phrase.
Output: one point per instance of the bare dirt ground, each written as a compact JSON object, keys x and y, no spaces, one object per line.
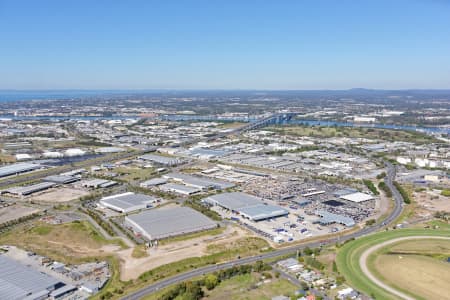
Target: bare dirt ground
{"x":59,"y":195}
{"x":432,"y":201}
{"x":131,"y":267}
{"x":14,"y":212}
{"x":382,"y":205}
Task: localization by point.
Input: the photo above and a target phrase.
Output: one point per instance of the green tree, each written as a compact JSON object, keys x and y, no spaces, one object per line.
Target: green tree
{"x":211,"y":281}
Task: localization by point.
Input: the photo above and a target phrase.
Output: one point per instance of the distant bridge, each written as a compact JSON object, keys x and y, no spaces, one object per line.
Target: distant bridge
{"x":274,"y":119}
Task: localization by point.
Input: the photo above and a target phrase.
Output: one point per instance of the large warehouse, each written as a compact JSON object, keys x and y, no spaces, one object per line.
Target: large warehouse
{"x":250,"y":207}
{"x":15,"y":169}
{"x":162,"y":160}
{"x":127,"y":202}
{"x":21,"y":282}
{"x":357,"y":197}
{"x":198,"y":182}
{"x":29,"y":189}
{"x":162,"y":223}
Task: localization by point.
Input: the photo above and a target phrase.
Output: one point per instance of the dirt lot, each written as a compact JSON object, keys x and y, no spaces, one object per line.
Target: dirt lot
{"x":432,"y":201}
{"x":59,"y":195}
{"x":132,"y":267}
{"x":70,"y":242}
{"x":14,"y":212}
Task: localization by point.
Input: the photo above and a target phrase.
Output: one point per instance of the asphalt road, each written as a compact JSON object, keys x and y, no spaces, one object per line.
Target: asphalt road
{"x":398,"y":207}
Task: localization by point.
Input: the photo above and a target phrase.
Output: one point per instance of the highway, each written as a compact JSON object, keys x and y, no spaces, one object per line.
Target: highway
{"x":398,"y":207}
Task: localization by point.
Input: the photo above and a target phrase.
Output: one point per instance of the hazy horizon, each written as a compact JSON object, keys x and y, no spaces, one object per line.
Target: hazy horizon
{"x":234,"y":45}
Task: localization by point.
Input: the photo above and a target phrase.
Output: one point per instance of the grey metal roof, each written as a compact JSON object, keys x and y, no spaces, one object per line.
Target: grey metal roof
{"x":17,"y":280}
{"x":164,"y":160}
{"x":328,"y":218}
{"x":179,"y":188}
{"x":61,"y":179}
{"x":262,"y":212}
{"x":29,"y":189}
{"x":166,"y":222}
{"x":154,"y":181}
{"x":17,"y":168}
{"x":207,"y":152}
{"x":127,"y":201}
{"x":197,"y":181}
{"x":234,"y":200}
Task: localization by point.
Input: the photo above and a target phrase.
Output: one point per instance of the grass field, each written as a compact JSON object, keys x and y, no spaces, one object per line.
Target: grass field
{"x":139,"y":251}
{"x":353,"y":132}
{"x":70,"y":243}
{"x":348,"y":258}
{"x":416,"y":267}
{"x":243,"y":287}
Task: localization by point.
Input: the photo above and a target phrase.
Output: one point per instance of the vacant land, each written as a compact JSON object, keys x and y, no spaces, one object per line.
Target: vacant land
{"x":353,"y":132}
{"x":229,"y":243}
{"x":60,"y":195}
{"x":130,"y":174}
{"x":15,"y":212}
{"x":71,"y":242}
{"x":250,"y":286}
{"x":231,"y":125}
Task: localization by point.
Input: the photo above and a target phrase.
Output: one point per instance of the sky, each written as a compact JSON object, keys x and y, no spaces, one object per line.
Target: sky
{"x":212,"y":44}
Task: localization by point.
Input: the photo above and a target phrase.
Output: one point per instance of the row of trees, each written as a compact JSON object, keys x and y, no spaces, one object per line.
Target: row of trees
{"x":382,"y":186}
{"x":98,"y":219}
{"x":371,"y":186}
{"x":10,"y":223}
{"x":203,"y":209}
{"x":402,"y":192}
{"x":193,"y":290}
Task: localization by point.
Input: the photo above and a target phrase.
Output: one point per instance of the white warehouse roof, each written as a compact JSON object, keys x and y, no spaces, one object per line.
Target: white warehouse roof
{"x":127,"y":202}
{"x":357,"y":197}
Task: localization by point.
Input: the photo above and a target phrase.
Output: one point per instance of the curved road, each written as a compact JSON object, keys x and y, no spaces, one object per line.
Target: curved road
{"x":398,"y":207}
{"x":365,"y":269}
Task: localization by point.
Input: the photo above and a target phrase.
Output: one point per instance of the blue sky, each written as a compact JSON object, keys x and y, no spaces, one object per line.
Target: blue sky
{"x":211,"y":44}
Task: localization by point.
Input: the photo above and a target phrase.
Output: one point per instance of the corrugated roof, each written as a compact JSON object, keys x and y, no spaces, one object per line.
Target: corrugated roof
{"x":127,"y":201}
{"x":165,"y":222}
{"x":234,"y":200}
{"x":17,"y":168}
{"x":261,"y":212}
{"x":17,"y":280}
{"x":29,"y":189}
{"x":329,"y":218}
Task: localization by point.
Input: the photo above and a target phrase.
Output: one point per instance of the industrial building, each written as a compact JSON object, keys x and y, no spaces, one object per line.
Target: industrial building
{"x":330,"y":218}
{"x":179,"y":189}
{"x":153,"y":182}
{"x":357,"y":197}
{"x":29,"y":189}
{"x":61,"y":179}
{"x":127,"y":202}
{"x":98,"y":183}
{"x":250,"y":207}
{"x":18,"y":168}
{"x":198,"y":182}
{"x":18,"y":282}
{"x":162,"y":160}
{"x":162,"y":223}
